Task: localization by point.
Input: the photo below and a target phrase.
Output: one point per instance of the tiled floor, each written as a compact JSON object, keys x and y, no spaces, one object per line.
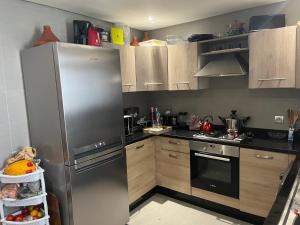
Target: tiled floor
{"x":161,"y":210}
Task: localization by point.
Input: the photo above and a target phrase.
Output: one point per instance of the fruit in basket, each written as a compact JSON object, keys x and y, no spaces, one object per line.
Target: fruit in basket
{"x":10,"y":218}
{"x":40,"y":214}
{"x":19,"y":218}
{"x":34,"y":213}
{"x":20,"y":168}
{"x":25,"y":211}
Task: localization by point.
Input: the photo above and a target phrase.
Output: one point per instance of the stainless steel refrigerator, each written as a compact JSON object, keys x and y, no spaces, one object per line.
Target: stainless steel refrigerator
{"x":74,"y":106}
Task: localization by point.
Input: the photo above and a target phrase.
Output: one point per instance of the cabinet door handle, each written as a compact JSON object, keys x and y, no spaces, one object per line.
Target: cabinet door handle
{"x":174,"y":143}
{"x":147,"y":84}
{"x":271,"y":79}
{"x":139,"y":147}
{"x":264,"y":156}
{"x":128,"y":84}
{"x":173,"y":156}
{"x":183,"y":82}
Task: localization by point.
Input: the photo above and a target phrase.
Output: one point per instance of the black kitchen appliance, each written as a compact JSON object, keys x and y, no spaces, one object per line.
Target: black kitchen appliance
{"x":134,"y":114}
{"x":81,"y":31}
{"x":267,"y":22}
{"x":215,"y":168}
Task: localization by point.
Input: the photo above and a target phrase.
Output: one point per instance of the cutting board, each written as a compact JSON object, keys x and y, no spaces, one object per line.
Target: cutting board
{"x":156,"y":131}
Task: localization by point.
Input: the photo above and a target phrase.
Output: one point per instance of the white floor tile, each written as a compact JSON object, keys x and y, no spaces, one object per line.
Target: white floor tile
{"x":161,"y":210}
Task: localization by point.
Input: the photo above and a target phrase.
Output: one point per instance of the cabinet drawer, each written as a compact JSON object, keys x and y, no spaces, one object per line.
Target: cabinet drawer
{"x":260,"y":173}
{"x":139,"y":151}
{"x":173,"y":144}
{"x":173,"y":171}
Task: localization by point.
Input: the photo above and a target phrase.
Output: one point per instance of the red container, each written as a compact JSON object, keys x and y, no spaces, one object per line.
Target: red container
{"x":93,"y":37}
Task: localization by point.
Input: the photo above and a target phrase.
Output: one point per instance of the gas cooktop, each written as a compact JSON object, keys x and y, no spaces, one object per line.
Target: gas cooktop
{"x":218,"y":136}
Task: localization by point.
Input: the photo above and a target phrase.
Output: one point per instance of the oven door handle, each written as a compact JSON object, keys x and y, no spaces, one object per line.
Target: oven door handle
{"x":212,"y":157}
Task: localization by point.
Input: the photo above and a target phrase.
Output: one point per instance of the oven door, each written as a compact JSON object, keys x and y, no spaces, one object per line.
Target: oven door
{"x":215,"y":173}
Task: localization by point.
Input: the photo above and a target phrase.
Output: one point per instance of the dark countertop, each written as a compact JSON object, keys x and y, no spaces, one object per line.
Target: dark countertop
{"x":138,"y":136}
{"x":266,"y":144}
{"x":271,"y":145}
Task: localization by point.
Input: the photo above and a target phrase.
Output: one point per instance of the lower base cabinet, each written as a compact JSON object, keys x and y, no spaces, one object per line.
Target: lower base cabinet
{"x":260,"y":176}
{"x":140,"y":157}
{"x":173,"y":165}
{"x":165,"y":162}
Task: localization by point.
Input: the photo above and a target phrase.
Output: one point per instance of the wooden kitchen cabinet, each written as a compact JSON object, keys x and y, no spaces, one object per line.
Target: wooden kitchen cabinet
{"x":260,"y":177}
{"x":272,"y":62}
{"x":151,"y":63}
{"x":127,"y":60}
{"x":173,"y":164}
{"x":140,"y":157}
{"x":182,"y":66}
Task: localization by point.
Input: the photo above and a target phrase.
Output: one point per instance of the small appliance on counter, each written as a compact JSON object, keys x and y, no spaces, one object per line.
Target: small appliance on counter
{"x":131,"y":120}
{"x":182,"y":120}
{"x":128,"y":124}
{"x":169,"y":118}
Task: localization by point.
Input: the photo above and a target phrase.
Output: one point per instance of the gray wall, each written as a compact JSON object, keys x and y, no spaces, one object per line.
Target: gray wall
{"x":231,"y":93}
{"x":21,"y":23}
{"x":218,"y":24}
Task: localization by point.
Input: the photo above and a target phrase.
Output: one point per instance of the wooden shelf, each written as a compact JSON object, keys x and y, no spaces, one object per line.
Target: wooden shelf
{"x":228,"y":38}
{"x":225,"y":51}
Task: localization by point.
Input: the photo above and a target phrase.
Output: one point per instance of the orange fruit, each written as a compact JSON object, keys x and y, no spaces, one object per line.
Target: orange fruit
{"x":34,"y":213}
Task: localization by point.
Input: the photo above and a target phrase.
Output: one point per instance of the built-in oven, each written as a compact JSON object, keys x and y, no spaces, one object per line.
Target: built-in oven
{"x":215,"y":168}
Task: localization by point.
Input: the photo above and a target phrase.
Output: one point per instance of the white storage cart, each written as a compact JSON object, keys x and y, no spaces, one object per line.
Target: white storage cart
{"x":38,"y":175}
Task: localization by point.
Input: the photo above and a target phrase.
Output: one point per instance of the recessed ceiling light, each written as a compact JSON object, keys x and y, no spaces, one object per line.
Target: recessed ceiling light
{"x":150,"y":18}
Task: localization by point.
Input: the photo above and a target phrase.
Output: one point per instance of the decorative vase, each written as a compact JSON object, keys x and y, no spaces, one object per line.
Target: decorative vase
{"x":146,"y":36}
{"x":46,"y":37}
{"x":135,"y":41}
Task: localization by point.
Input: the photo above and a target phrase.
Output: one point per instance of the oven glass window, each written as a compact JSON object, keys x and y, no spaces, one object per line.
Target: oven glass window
{"x":214,"y":170}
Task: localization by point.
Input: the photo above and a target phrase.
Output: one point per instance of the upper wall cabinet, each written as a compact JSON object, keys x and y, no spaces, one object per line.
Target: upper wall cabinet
{"x":151,"y":63}
{"x":127,"y":60}
{"x":182,"y":66}
{"x":273,"y":58}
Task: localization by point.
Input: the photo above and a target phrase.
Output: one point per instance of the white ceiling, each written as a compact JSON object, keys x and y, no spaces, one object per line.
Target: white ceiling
{"x":136,"y":13}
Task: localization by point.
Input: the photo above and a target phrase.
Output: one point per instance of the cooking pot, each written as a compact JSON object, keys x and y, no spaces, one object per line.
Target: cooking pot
{"x":233,"y":123}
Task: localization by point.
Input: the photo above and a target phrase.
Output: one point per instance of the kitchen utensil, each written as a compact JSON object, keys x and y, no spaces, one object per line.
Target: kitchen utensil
{"x":233,"y":123}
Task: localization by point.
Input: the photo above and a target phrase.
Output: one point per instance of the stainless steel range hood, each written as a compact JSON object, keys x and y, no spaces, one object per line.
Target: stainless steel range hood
{"x":225,"y":65}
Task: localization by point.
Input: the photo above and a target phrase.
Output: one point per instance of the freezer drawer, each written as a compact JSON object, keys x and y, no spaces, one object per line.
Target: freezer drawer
{"x":99,"y":194}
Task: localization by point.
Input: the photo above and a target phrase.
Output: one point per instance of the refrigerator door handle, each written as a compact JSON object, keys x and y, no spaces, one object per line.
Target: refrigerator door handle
{"x":96,"y":162}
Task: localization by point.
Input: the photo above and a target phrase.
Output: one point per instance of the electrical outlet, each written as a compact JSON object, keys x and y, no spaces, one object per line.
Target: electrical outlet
{"x":279,"y":119}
